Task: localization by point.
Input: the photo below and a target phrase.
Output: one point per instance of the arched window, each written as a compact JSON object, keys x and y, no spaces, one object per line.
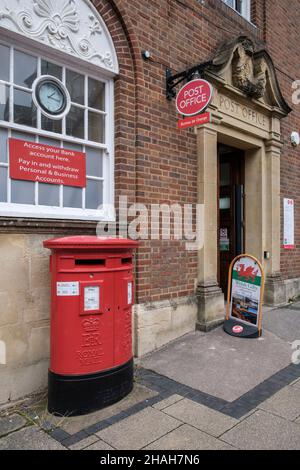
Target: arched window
{"x":56,"y":88}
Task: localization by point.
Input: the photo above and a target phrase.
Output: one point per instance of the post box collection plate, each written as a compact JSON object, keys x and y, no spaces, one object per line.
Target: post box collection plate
{"x":91,"y":359}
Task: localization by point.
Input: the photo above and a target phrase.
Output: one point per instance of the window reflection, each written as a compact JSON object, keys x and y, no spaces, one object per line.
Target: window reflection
{"x":96,"y":127}
{"x":96,"y":97}
{"x":48,"y":195}
{"x":3,"y":184}
{"x":4,"y":61}
{"x":75,"y":122}
{"x":22,"y":192}
{"x":94,"y":194}
{"x":94,"y":162}
{"x":51,"y":125}
{"x":72,"y":197}
{"x":25,"y":69}
{"x":3,"y":145}
{"x":47,"y":68}
{"x":75,"y":85}
{"x":4,"y":102}
{"x":24,"y":109}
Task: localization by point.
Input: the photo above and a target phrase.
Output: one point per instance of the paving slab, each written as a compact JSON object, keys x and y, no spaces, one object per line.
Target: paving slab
{"x":201,"y":417}
{"x":99,"y":445}
{"x":11,"y":423}
{"x":285,"y":403}
{"x":84,"y":443}
{"x":30,"y":438}
{"x":296,"y":383}
{"x":167,"y":402}
{"x":138,"y":430}
{"x":264,"y":431}
{"x":219,"y":364}
{"x":75,"y":424}
{"x":188,"y":438}
{"x":284,"y":323}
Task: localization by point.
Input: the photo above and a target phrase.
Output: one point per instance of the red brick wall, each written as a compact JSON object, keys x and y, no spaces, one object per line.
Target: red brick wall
{"x":155,"y":163}
{"x":282,"y":36}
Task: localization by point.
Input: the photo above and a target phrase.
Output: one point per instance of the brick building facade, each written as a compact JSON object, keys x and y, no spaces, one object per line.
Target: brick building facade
{"x":155,"y":163}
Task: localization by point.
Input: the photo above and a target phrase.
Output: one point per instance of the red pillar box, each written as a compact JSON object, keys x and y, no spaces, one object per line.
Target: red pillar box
{"x":92,"y":293}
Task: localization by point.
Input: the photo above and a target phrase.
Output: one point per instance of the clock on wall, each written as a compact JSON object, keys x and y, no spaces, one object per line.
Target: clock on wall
{"x":51,"y":96}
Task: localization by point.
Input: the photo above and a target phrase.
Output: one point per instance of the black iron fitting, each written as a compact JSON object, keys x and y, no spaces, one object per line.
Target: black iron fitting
{"x":172,"y":81}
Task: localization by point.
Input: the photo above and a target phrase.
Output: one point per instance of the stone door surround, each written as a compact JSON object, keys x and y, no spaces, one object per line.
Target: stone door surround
{"x":246,"y":111}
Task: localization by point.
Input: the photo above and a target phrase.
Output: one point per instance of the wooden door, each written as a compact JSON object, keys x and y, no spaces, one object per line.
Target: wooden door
{"x":231,"y":210}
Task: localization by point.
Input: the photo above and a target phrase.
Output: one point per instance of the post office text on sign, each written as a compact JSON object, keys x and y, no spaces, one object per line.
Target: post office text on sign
{"x":194,"y":97}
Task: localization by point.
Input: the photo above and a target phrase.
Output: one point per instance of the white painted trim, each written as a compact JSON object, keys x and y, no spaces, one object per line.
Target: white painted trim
{"x":246,"y":9}
{"x":48,"y":212}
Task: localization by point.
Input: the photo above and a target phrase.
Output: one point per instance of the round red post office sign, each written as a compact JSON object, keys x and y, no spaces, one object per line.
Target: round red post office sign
{"x":194,"y":97}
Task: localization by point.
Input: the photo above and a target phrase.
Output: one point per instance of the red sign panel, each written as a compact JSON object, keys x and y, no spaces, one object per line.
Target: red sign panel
{"x":32,"y":161}
{"x":194,"y":121}
{"x":194,"y":97}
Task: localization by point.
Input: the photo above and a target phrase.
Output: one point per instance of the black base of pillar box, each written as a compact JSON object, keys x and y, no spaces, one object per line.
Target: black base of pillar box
{"x":74,"y":395}
{"x":249,"y":331}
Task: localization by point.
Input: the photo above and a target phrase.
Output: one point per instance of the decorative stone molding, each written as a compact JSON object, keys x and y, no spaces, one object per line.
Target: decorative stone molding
{"x":238,"y":65}
{"x":71,"y":26}
{"x":248,"y":75}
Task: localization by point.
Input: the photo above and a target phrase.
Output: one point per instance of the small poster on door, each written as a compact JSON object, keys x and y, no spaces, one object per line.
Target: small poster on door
{"x":224,"y":240}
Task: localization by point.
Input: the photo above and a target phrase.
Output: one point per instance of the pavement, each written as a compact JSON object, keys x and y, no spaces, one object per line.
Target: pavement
{"x":204,"y":391}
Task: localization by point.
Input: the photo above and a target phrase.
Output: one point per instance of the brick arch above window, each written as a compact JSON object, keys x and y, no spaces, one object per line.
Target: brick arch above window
{"x":73,"y":27}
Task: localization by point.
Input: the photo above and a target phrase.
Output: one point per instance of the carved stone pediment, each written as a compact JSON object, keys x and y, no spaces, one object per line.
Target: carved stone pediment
{"x":70,"y":26}
{"x":249,"y":75}
{"x":238,"y":65}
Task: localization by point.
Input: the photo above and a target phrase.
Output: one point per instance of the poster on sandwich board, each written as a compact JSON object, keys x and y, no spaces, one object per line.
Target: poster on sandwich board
{"x":245,"y":295}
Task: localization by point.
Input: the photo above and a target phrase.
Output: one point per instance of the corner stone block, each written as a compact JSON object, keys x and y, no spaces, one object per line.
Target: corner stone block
{"x":158,"y":323}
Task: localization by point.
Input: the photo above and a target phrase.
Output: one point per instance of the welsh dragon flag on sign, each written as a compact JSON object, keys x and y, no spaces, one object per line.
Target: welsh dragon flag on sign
{"x":246,"y":290}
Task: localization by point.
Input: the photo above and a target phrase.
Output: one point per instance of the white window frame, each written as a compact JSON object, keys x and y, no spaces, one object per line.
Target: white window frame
{"x":246,"y":8}
{"x":8,"y":209}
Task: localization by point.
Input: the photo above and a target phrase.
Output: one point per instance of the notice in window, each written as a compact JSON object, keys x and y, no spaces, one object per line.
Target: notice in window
{"x":91,"y":298}
{"x":32,"y":161}
{"x":289,"y":224}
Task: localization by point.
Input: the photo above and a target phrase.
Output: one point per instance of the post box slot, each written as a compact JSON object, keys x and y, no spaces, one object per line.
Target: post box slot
{"x":90,"y":262}
{"x":126,"y":260}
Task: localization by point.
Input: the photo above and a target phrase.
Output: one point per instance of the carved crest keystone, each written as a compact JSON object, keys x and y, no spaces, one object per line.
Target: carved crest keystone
{"x":249,"y":75}
{"x":237,"y":64}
